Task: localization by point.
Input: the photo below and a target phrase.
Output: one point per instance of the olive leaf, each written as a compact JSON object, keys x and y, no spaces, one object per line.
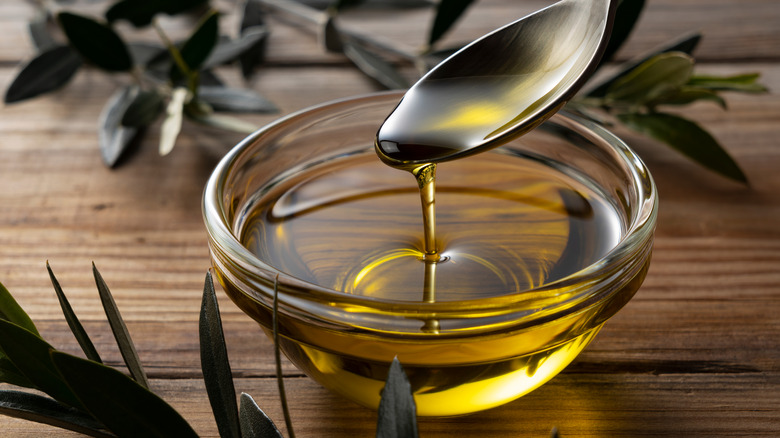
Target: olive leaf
{"x":688,"y":94}
{"x":626,"y":17}
{"x":216,"y":366}
{"x":397,"y":416}
{"x":253,"y":22}
{"x":210,"y":79}
{"x":686,"y":44}
{"x":30,"y":354}
{"x":96,"y":42}
{"x":44,"y":410}
{"x":230,"y":50}
{"x":118,"y":328}
{"x":447,"y":13}
{"x":144,"y":109}
{"x":114,"y":138}
{"x":237,"y":100}
{"x":254,"y":422}
{"x":374,"y":66}
{"x":11,"y":311}
{"x":48,"y":71}
{"x":746,"y":83}
{"x":659,"y":75}
{"x":9,"y":373}
{"x":141,"y":12}
{"x":128,"y":409}
{"x":330,"y":36}
{"x":171,"y":126}
{"x":198,"y":47}
{"x":686,"y":137}
{"x":201,"y":112}
{"x":39,"y":33}
{"x":73,"y":321}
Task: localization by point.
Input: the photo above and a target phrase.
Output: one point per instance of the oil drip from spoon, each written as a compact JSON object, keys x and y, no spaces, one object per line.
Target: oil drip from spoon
{"x":495,"y":89}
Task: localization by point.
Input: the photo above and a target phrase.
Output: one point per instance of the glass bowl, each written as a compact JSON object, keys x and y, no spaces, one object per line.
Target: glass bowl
{"x":462,"y":354}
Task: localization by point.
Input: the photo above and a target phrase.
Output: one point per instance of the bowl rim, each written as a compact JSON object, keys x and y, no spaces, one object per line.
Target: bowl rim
{"x":639,"y":232}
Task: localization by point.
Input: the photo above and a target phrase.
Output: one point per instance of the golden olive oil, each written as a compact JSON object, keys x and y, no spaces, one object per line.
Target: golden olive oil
{"x":505,"y":223}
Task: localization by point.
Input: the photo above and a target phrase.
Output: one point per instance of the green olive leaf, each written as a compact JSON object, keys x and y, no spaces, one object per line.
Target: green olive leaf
{"x":626,"y":17}
{"x":746,"y":83}
{"x":686,"y":44}
{"x":216,"y":366}
{"x":127,"y":409}
{"x":374,"y":66}
{"x":659,"y":75}
{"x":198,"y":47}
{"x":201,"y":112}
{"x":119,"y":329}
{"x":73,"y":321}
{"x":447,"y":13}
{"x":11,"y":311}
{"x":330,"y":36}
{"x":114,"y":138}
{"x":688,"y":138}
{"x":96,"y":42}
{"x":237,"y":100}
{"x":687,"y":94}
{"x":230,"y":50}
{"x":254,"y":422}
{"x":47,"y":72}
{"x":141,"y":12}
{"x":253,"y":22}
{"x":397,"y":416}
{"x":30,"y":354}
{"x":210,"y":79}
{"x":33,"y":407}
{"x":9,"y":373}
{"x":144,"y":109}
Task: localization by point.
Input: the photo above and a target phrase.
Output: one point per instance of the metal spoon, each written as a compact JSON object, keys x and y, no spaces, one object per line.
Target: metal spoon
{"x":499,"y":86}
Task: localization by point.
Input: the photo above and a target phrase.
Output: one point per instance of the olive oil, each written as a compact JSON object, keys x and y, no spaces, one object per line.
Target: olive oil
{"x":507,"y":223}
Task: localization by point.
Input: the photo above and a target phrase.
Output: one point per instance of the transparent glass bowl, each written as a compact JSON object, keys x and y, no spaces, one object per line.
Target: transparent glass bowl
{"x":488,"y":351}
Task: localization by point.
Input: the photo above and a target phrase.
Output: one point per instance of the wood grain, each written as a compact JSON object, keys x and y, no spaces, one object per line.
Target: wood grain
{"x":695,"y":353}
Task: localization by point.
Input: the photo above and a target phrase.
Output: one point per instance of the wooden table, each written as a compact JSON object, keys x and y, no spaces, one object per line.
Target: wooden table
{"x":695,"y":353}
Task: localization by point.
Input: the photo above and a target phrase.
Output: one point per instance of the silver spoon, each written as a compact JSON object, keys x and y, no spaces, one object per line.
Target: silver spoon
{"x":499,"y":86}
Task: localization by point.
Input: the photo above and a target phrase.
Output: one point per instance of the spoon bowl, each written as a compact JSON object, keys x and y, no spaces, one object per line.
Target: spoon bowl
{"x":498,"y":87}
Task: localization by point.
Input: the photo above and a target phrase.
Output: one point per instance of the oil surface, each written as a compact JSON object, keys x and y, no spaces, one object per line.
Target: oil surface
{"x":505,"y":224}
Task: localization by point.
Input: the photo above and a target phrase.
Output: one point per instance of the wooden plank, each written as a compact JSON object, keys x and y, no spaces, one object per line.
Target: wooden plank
{"x":579,"y":405}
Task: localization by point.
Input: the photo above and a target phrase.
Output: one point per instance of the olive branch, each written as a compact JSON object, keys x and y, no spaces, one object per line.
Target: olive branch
{"x":89,"y":397}
{"x":175,"y":80}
